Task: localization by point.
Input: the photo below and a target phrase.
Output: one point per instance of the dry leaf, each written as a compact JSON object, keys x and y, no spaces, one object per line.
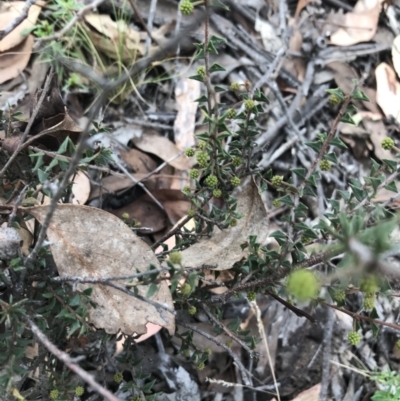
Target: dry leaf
{"x":312,"y":394}
{"x":145,"y":212}
{"x":91,"y":242}
{"x":10,"y":11}
{"x":223,"y":247}
{"x":80,"y":188}
{"x":300,"y":5}
{"x":13,"y":62}
{"x":116,"y":39}
{"x":138,"y":161}
{"x":387,"y":91}
{"x":357,"y":26}
{"x":163,"y":148}
{"x":396,"y":54}
{"x":186,"y":92}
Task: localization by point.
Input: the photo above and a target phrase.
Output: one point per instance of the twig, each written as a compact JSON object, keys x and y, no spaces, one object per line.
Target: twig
{"x":260,"y":325}
{"x":30,"y":123}
{"x":66,"y":359}
{"x":57,"y":36}
{"x":246,"y":375}
{"x":140,"y":18}
{"x":227,"y":331}
{"x":149,"y":26}
{"x":356,"y":316}
{"x":327,"y":356}
{"x":13,"y":213}
{"x":18,"y":20}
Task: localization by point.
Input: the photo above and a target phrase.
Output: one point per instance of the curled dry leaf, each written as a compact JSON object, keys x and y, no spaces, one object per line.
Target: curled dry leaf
{"x":116,"y":39}
{"x":91,"y":242}
{"x":14,"y":61}
{"x":357,"y":26}
{"x":163,"y":148}
{"x":223,"y":247}
{"x":387,"y":90}
{"x":10,"y":11}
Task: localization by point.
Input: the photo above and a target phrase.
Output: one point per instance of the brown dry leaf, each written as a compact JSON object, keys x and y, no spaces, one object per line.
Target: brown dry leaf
{"x":223,"y":247}
{"x":53,"y":131}
{"x":14,"y":61}
{"x":138,"y":161}
{"x":116,"y":39}
{"x":186,"y":91}
{"x":80,"y":188}
{"x":384,"y":195}
{"x":145,"y":212}
{"x":357,"y":26}
{"x":387,"y":90}
{"x":176,"y":204}
{"x":312,"y":394}
{"x":300,"y":5}
{"x":91,"y":242}
{"x":162,"y":147}
{"x":11,"y":10}
{"x":396,"y":54}
{"x":295,"y":65}
{"x":378,"y":132}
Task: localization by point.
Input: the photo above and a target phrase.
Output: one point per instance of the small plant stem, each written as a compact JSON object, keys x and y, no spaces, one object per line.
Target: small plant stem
{"x":246,"y":375}
{"x":227,"y":331}
{"x":356,"y":316}
{"x":326,"y":143}
{"x":66,"y":359}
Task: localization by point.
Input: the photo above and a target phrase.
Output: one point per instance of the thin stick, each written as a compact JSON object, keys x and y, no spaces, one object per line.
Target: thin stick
{"x":21,"y":17}
{"x":66,"y":359}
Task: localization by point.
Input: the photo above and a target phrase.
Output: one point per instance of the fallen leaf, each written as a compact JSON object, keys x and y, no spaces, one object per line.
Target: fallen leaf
{"x":396,"y":54}
{"x":357,"y":26}
{"x":163,"y":148}
{"x":300,"y":5}
{"x":10,"y":11}
{"x":387,"y":91}
{"x":80,"y":188}
{"x":114,"y":38}
{"x":186,"y":92}
{"x":312,"y":394}
{"x":91,"y":242}
{"x":223,"y":247}
{"x":145,"y":212}
{"x":138,"y":161}
{"x":14,"y":61}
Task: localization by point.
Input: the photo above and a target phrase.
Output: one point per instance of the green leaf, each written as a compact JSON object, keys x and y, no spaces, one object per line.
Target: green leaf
{"x":197,"y":78}
{"x":259,"y":96}
{"x":332,"y":157}
{"x":287,"y":200}
{"x":315,"y":145}
{"x":216,"y":67}
{"x":336,"y":92}
{"x":301,"y":172}
{"x":338,"y":142}
{"x":391,"y":187}
{"x":280,"y":237}
{"x":359,"y":194}
{"x":153,"y":288}
{"x":201,"y":99}
{"x":308,"y":191}
{"x":359,"y":95}
{"x":347,"y":118}
{"x":219,"y":89}
{"x":391,"y":164}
